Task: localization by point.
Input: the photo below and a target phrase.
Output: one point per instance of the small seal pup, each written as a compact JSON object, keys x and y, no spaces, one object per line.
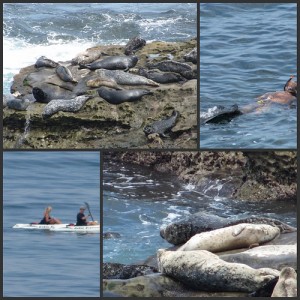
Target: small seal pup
{"x":234,"y":237}
{"x":65,"y":74}
{"x":112,"y":63}
{"x":118,"y":97}
{"x":162,"y":126}
{"x":205,"y":271}
{"x":161,"y":77}
{"x":71,"y":105}
{"x":43,"y":61}
{"x":134,"y":45}
{"x":287,"y":284}
{"x":18,"y":104}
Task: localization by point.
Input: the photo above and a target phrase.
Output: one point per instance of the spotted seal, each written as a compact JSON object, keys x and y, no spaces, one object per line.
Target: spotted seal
{"x":205,"y":271}
{"x":113,"y":63}
{"x":287,"y":284}
{"x":232,"y":237}
{"x":161,"y":77}
{"x":102,"y":81}
{"x":71,"y":105}
{"x":118,"y":97}
{"x":191,"y":56}
{"x":174,"y":66}
{"x":43,"y":61}
{"x":65,"y":74}
{"x":162,"y":126}
{"x":134,"y":45}
{"x":122,"y":77}
{"x":87,"y":57}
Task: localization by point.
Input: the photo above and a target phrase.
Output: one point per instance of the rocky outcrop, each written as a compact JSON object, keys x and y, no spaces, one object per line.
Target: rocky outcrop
{"x":270,"y":175}
{"x":100,"y":124}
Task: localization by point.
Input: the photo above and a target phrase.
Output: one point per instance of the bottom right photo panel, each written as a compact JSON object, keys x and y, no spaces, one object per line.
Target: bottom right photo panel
{"x":199,"y":224}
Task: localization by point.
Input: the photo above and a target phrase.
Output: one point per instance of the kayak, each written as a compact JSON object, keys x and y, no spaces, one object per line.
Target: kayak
{"x":73,"y":228}
{"x":60,"y":227}
{"x":39,"y":226}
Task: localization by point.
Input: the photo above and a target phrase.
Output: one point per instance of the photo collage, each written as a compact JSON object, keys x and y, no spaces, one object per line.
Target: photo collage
{"x":149,"y":149}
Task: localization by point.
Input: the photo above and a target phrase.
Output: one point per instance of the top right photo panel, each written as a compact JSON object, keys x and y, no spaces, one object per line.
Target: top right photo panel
{"x":248,"y":76}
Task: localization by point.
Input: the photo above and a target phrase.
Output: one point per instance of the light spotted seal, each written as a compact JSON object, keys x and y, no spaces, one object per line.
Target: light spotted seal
{"x":118,"y":97}
{"x":65,"y":74}
{"x":287,"y":284}
{"x":233,"y":237}
{"x":205,"y":271}
{"x":125,"y":78}
{"x":102,"y":81}
{"x":133,"y":45}
{"x":112,"y":63}
{"x":43,"y":61}
{"x":71,"y":105}
{"x":162,"y":126}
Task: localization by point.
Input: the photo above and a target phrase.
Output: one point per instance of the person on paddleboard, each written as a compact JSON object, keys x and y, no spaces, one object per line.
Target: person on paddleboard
{"x":48,"y":219}
{"x":82,"y":219}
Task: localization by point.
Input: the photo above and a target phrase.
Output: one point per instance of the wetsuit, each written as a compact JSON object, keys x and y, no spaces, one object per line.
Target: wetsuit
{"x":43,"y":221}
{"x":80,"y":222}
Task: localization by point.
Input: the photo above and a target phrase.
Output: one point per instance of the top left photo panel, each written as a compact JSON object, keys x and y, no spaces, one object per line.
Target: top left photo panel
{"x":100,"y":75}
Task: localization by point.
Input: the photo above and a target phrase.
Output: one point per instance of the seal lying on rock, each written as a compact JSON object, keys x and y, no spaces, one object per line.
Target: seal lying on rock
{"x":232,"y":237}
{"x":134,"y":45}
{"x":44,"y":93}
{"x":112,"y":63}
{"x":287,"y":284}
{"x":203,"y":270}
{"x":18,"y":104}
{"x":102,"y":81}
{"x":87,"y":56}
{"x":122,"y":77}
{"x":191,"y":56}
{"x":43,"y":61}
{"x":182,"y":230}
{"x":162,"y":126}
{"x":71,"y":105}
{"x":118,"y":97}
{"x":161,"y":77}
{"x":65,"y":74}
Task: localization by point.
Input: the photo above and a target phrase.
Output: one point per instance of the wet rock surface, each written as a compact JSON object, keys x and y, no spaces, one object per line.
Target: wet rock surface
{"x":99,"y":124}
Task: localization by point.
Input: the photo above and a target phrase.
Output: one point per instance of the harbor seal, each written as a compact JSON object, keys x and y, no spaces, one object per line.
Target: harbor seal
{"x":287,"y":284}
{"x":65,"y":74}
{"x":162,"y":126}
{"x":112,"y":63}
{"x":87,"y":57}
{"x":134,"y":45}
{"x":161,"y":77}
{"x":43,"y":61}
{"x":102,"y":81}
{"x":18,"y":104}
{"x":205,"y":271}
{"x":118,"y":97}
{"x":44,"y":93}
{"x":233,"y":237}
{"x":71,"y":105}
{"x":191,"y":56}
{"x":173,"y":66}
{"x":121,"y":77}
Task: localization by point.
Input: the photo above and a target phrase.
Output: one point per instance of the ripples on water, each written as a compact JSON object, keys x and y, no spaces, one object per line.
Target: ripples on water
{"x":50,"y":264}
{"x":138,"y":201}
{"x":60,"y":31}
{"x":247,"y":50}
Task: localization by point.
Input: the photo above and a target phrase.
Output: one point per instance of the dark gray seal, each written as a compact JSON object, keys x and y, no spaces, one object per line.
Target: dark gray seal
{"x":65,"y":74}
{"x":111,"y":235}
{"x":43,"y":61}
{"x":122,"y":77}
{"x":162,"y":126}
{"x":18,"y":104}
{"x":173,"y":66}
{"x":44,"y":93}
{"x":161,"y":77}
{"x":191,"y":56}
{"x":118,"y":97}
{"x":134,"y":45}
{"x":113,"y":63}
{"x":71,"y":105}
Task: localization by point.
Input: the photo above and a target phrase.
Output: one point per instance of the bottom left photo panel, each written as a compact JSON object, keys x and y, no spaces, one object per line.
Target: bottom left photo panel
{"x":51,"y":224}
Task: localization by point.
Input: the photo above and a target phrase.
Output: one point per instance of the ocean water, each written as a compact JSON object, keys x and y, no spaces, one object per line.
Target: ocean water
{"x":246,"y":50}
{"x":37,"y":263}
{"x":62,"y":30}
{"x":137,"y":201}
